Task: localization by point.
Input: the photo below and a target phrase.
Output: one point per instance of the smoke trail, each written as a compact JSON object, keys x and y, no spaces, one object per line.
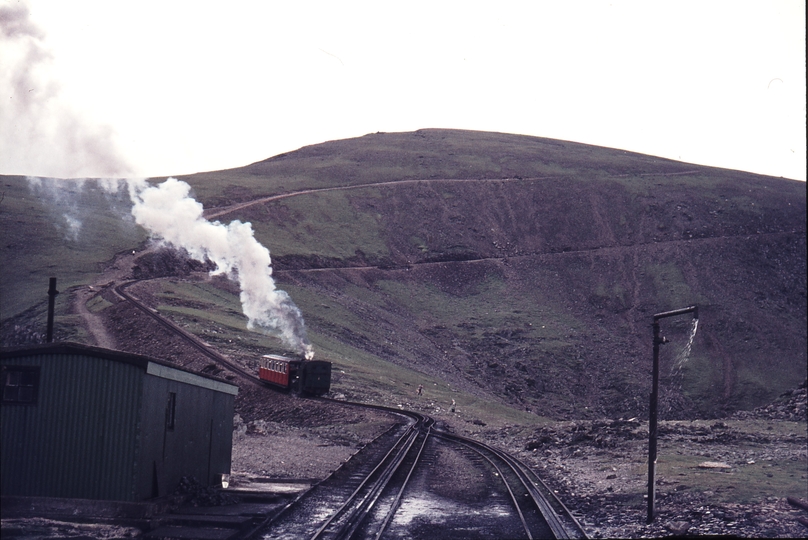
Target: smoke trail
{"x":63,"y":200}
{"x":72,"y":201}
{"x":39,"y":134}
{"x":171,"y":215}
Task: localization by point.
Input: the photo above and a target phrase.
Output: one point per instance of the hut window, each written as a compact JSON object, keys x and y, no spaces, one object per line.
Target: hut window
{"x":20,"y":384}
{"x":170,"y":410}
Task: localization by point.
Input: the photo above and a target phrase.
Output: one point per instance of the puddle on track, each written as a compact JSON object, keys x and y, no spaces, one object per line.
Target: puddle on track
{"x":439,"y":510}
{"x":431,"y":516}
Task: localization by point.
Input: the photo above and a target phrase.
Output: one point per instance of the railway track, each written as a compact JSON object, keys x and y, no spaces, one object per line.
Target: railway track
{"x":362,"y":497}
{"x":189,"y":338}
{"x":355,"y":501}
{"x":542,"y":514}
{"x":354,"y":517}
{"x":363,"y":500}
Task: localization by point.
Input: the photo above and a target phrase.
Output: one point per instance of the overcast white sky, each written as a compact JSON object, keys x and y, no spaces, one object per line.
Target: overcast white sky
{"x":156,"y":88}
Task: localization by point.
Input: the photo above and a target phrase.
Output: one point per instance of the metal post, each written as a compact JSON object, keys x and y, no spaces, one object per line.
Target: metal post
{"x":52,"y":292}
{"x":652,"y":424}
{"x":653,"y":411}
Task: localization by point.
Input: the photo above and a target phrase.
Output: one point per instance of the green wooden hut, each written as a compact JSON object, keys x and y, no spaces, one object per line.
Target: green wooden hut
{"x":92,"y":423}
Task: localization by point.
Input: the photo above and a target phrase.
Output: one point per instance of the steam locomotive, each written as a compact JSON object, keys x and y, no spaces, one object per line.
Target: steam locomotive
{"x":304,"y":377}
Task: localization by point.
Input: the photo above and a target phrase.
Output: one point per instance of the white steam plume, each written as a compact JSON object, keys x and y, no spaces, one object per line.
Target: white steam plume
{"x":39,"y":133}
{"x":171,"y":215}
{"x":70,"y":201}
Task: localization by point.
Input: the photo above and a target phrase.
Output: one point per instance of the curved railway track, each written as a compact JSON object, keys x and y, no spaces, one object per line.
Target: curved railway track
{"x":361,"y":498}
{"x":189,"y":338}
{"x":540,"y":511}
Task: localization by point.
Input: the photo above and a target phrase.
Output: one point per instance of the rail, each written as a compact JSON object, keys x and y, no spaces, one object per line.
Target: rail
{"x":191,"y":339}
{"x":557,"y":516}
{"x":355,"y":512}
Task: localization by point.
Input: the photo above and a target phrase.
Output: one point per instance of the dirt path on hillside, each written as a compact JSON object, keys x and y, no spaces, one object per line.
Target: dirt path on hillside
{"x":92,"y":322}
{"x":118,"y":271}
{"x":632,"y":247}
{"x":217,"y":212}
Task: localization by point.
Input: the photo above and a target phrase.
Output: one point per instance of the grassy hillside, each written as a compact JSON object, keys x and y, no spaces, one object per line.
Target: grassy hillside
{"x":526,"y":270}
{"x":67,"y":229}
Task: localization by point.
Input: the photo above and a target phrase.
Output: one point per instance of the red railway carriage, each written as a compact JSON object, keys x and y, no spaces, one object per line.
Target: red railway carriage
{"x":300,"y":376}
{"x":277,"y":369}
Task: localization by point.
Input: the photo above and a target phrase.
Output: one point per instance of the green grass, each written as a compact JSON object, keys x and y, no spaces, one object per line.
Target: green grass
{"x":324,"y":224}
{"x":490,"y":304}
{"x":332,"y":313}
{"x":204,"y":292}
{"x":36,"y":241}
{"x":97,"y":304}
{"x":424,"y":154}
{"x":671,"y":289}
{"x":211,"y":313}
{"x":645,"y":185}
{"x":741,"y":484}
{"x":751,"y":478}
